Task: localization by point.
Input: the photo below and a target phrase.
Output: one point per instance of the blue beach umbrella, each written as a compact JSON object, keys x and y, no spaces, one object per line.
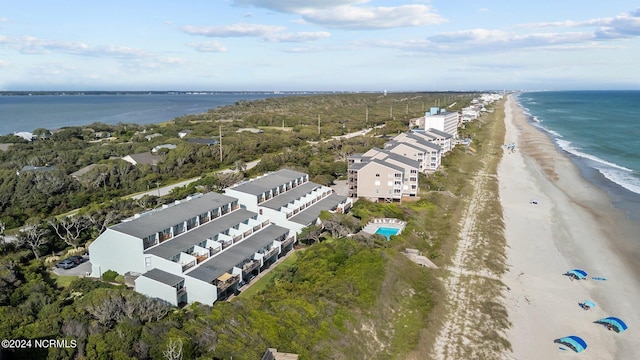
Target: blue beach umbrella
{"x":577,"y":273}
{"x":616,"y":324}
{"x":574,"y":342}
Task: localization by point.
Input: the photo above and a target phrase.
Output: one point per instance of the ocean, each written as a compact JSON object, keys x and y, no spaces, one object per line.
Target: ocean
{"x":600,"y":132}
{"x":27,"y":113}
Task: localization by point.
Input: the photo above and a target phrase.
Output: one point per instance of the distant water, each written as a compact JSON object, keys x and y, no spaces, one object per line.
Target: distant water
{"x":27,"y":113}
{"x":601,"y":132}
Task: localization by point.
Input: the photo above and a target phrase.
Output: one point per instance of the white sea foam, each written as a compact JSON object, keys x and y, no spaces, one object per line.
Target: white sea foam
{"x":568,"y":147}
{"x":612,"y":171}
{"x":622,"y":177}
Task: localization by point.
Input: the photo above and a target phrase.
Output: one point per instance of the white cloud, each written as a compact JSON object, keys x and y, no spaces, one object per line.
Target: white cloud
{"x":32,"y":45}
{"x":235,"y":30}
{"x":264,"y":32}
{"x":487,"y":40}
{"x":366,"y":18}
{"x":621,"y":26}
{"x":298,"y":37}
{"x":210,"y":46}
{"x":294,"y":6}
{"x":352,"y":14}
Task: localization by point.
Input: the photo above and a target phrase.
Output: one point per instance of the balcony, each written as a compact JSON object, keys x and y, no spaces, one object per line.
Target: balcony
{"x":201,"y":258}
{"x":164,"y":237}
{"x":225,"y":281}
{"x":186,"y":266}
{"x":288,"y":242}
{"x":250,"y":266}
{"x":181,"y":291}
{"x":271,"y":253}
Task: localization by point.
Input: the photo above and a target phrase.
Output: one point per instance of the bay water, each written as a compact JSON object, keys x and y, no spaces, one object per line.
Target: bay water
{"x":27,"y":113}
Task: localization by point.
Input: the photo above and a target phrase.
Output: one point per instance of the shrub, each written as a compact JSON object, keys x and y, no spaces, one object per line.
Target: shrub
{"x":119,"y":279}
{"x":109,"y":276}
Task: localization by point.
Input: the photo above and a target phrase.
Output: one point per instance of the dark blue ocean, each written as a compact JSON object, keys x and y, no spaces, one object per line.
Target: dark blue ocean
{"x":27,"y":113}
{"x":600,"y":131}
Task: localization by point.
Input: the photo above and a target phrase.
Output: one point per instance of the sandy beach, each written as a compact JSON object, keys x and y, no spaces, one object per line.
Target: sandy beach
{"x":573,"y":225}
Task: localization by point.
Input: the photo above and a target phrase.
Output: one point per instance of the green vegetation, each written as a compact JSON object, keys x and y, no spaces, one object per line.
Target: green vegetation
{"x":342,"y":297}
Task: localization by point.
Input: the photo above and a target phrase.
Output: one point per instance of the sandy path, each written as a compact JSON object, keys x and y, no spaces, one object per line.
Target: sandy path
{"x":573,"y":226}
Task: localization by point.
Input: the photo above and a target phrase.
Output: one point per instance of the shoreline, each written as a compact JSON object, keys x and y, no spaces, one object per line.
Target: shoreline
{"x":574,"y":225}
{"x":621,"y":197}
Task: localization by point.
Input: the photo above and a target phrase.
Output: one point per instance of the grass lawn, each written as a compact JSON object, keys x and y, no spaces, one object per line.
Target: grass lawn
{"x":264,"y":281}
{"x":63,"y":281}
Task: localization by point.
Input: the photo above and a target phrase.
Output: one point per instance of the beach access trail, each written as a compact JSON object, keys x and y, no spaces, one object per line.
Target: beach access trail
{"x":573,"y":225}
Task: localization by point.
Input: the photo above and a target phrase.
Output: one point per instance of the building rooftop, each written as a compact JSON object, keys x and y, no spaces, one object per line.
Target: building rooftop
{"x":159,"y":219}
{"x":267,"y":182}
{"x":290,"y":196}
{"x":163,"y":277}
{"x":211,"y":269}
{"x":311,"y":213}
{"x":439,"y":133}
{"x":187,"y":239}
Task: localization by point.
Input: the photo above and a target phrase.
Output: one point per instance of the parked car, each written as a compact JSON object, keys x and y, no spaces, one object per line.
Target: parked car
{"x":76,"y":259}
{"x":66,"y":264}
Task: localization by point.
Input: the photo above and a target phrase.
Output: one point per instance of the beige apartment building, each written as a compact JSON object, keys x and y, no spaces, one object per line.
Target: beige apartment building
{"x":381,"y":175}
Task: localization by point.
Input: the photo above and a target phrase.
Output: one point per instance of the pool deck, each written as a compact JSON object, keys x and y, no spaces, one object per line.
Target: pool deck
{"x":374,"y":224}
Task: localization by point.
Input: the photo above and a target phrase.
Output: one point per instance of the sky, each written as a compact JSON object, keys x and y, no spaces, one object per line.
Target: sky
{"x":327,"y":45}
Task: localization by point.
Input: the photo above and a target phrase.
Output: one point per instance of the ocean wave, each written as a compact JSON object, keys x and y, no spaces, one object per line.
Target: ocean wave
{"x":566,"y":146}
{"x":622,"y":178}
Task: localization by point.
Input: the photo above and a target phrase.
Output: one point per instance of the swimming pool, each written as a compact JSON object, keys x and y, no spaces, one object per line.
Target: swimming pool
{"x":387,"y":231}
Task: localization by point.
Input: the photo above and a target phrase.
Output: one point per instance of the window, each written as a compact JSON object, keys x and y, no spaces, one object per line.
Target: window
{"x":396,"y":191}
{"x":414,"y":171}
{"x":377,"y":191}
{"x":377,"y":183}
{"x":377,"y":175}
{"x":397,"y":183}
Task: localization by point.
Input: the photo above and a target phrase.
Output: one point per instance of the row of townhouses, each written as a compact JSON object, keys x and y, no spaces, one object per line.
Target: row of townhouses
{"x":202,"y":248}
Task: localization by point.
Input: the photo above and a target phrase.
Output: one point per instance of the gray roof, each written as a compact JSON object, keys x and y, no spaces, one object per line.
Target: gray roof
{"x":311,"y":213}
{"x":402,"y":159}
{"x":357,"y":166}
{"x":202,"y":141}
{"x":260,"y":185}
{"x":186,"y":240}
{"x":146,"y":158}
{"x":439,"y":133}
{"x":220,"y":264}
{"x":161,"y":219}
{"x":163,"y":277}
{"x":386,"y":164}
{"x":290,"y":196}
{"x":393,"y":143}
{"x":423,"y":141}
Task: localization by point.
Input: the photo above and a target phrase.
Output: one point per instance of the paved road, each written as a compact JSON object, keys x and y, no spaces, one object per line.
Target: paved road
{"x":165,"y":190}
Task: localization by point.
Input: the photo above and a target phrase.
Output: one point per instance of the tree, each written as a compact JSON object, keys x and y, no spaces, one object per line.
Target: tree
{"x":173,"y":350}
{"x":70,"y":229}
{"x":33,"y":236}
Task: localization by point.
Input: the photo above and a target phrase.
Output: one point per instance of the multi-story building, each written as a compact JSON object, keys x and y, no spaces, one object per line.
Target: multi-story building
{"x":443,"y":121}
{"x":443,"y":139}
{"x":203,"y":247}
{"x":381,"y":175}
{"x":288,"y":198}
{"x":427,"y":154}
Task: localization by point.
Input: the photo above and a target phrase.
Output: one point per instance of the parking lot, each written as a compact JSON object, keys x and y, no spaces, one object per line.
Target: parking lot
{"x":80,"y":270}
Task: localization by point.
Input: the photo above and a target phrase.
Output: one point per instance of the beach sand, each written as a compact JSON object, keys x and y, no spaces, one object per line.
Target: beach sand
{"x":573,"y":225}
